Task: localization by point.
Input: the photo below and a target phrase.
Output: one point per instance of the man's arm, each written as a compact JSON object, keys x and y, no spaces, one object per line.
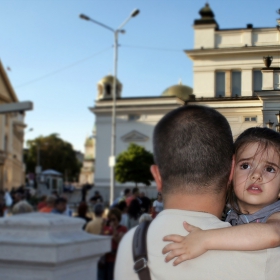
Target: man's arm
{"x":249,"y":237}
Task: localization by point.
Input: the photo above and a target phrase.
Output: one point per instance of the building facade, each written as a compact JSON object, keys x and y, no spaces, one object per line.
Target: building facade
{"x":229,"y":75}
{"x":11,"y":138}
{"x":87,"y":170}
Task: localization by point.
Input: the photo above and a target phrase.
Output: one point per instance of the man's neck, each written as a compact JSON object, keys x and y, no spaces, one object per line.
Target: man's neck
{"x":208,"y":203}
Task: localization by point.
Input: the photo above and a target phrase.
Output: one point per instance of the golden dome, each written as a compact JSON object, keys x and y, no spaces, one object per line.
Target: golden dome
{"x":109,"y":79}
{"x":181,"y":91}
{"x":89,"y":142}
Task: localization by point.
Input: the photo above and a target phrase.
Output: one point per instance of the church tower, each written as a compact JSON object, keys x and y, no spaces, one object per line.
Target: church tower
{"x":105,"y":88}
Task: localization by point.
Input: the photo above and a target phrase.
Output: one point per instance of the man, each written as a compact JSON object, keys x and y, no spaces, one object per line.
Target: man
{"x":59,"y":206}
{"x":135,"y":195}
{"x":95,"y":226}
{"x":193,"y":155}
{"x":146,"y":203}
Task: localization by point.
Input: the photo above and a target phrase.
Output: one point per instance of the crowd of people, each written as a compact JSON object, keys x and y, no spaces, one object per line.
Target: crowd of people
{"x":127,"y":211}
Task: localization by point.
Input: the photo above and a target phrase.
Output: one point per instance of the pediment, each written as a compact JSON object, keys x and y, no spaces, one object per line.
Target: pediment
{"x":134,"y":136}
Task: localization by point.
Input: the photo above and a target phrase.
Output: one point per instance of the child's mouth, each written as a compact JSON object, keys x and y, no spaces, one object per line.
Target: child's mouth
{"x":254,"y":189}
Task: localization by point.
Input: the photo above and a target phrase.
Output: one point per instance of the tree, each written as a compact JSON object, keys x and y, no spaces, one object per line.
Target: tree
{"x":54,"y":153}
{"x":133,"y":165}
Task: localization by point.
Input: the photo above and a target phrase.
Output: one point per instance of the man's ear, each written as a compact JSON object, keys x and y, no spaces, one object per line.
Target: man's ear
{"x":155,"y":171}
{"x":232,"y":169}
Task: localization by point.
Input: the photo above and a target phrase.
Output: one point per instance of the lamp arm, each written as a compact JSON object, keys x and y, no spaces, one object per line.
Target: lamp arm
{"x":101,"y":24}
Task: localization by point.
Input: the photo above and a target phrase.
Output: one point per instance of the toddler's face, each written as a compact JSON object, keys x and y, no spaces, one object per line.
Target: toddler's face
{"x":256,"y":177}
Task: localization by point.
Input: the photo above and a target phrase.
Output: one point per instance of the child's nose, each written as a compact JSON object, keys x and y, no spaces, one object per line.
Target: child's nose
{"x":256,"y":175}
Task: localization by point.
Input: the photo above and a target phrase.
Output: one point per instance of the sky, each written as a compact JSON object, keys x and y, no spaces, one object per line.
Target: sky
{"x":56,"y":59}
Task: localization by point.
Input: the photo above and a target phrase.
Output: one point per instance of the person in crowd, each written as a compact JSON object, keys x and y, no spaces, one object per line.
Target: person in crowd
{"x":95,"y":226}
{"x":135,"y":195}
{"x":82,"y":213}
{"x":59,"y":206}
{"x":157,"y":205}
{"x":123,"y":208}
{"x":117,"y":231}
{"x":84,"y":190}
{"x":134,"y":212}
{"x":123,"y":196}
{"x":22,"y":207}
{"x":50,"y":204}
{"x":97,"y":198}
{"x":254,"y":199}
{"x":193,"y":151}
{"x":42,"y":203}
{"x":145,"y":203}
{"x":2,"y":203}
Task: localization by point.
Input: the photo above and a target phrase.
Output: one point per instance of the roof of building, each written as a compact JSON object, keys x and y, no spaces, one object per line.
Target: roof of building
{"x":181,"y":91}
{"x":207,"y":16}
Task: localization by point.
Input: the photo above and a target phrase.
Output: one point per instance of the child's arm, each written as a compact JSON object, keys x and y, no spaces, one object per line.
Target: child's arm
{"x":249,"y":237}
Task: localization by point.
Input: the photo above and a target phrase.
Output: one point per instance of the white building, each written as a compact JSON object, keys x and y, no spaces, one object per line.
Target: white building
{"x":229,"y":75}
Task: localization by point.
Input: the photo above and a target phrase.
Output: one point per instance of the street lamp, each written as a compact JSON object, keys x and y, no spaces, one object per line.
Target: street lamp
{"x":112,"y":158}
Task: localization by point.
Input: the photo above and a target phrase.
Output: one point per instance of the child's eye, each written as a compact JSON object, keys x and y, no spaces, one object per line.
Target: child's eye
{"x":245,"y":166}
{"x":270,"y":169}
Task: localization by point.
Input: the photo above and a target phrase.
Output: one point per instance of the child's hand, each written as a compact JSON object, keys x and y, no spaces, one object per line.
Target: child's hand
{"x":185,"y":247}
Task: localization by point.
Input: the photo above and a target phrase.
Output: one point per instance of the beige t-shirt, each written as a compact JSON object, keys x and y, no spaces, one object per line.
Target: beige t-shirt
{"x":95,"y":226}
{"x":212,"y":265}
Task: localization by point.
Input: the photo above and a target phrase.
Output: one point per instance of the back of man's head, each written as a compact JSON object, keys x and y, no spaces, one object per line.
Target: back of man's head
{"x":193,"y":149}
{"x":98,"y":210}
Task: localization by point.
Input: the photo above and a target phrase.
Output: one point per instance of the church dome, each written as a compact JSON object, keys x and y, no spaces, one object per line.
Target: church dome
{"x":108,"y":79}
{"x":89,"y":142}
{"x":181,"y":91}
{"x":206,"y":12}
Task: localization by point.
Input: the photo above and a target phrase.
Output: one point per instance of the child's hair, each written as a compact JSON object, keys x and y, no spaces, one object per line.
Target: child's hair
{"x":266,"y":138}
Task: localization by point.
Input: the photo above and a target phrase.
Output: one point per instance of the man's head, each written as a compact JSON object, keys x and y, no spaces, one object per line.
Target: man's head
{"x":60,"y":204}
{"x":193,"y":150}
{"x":98,"y":210}
{"x":127,"y":192}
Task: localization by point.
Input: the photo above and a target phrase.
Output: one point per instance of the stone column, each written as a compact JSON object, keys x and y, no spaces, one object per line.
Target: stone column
{"x":228,"y":83}
{"x":48,"y":246}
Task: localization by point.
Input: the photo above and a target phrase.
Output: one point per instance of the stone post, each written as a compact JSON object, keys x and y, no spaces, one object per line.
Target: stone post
{"x":39,"y":246}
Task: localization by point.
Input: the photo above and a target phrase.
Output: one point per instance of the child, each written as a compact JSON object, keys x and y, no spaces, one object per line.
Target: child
{"x":253,"y":199}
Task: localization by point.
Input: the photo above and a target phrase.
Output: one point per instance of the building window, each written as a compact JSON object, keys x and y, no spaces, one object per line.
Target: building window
{"x":220,"y":84}
{"x":236,"y":83}
{"x":132,"y":117}
{"x":257,"y":80}
{"x":250,"y":119}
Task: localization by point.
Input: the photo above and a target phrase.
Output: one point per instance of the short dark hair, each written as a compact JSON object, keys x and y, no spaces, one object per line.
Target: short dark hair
{"x":126,"y":191}
{"x":193,"y":149}
{"x":116,"y":212}
{"x":98,"y":209}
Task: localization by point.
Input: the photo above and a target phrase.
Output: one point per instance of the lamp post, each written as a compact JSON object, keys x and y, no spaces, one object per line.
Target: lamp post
{"x":112,"y":158}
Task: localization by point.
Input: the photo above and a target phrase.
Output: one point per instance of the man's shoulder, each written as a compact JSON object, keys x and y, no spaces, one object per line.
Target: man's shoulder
{"x":124,"y":262}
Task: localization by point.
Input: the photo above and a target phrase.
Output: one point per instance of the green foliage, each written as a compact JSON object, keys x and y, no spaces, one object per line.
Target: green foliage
{"x":55,"y":153}
{"x":133,"y":165}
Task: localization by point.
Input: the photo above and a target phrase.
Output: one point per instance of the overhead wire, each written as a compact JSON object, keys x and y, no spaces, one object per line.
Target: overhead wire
{"x":62,"y":69}
{"x":87,"y":58}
